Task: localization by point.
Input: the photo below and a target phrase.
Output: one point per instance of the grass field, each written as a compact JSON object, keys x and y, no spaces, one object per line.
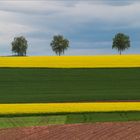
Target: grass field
{"x":43,"y":120}
{"x":68,"y":85}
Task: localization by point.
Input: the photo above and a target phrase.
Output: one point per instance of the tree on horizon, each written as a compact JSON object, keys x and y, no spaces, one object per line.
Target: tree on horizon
{"x":19,"y":46}
{"x":121,"y":42}
{"x":59,"y":44}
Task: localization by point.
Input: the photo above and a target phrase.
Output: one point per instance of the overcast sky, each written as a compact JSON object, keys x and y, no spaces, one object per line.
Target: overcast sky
{"x":89,"y":25}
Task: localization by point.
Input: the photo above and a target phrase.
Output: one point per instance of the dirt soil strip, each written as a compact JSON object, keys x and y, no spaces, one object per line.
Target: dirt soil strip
{"x":97,"y":131}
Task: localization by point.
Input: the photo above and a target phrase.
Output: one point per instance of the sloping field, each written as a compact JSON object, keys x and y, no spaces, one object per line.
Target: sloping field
{"x":72,"y":61}
{"x":97,"y":131}
{"x":68,"y":85}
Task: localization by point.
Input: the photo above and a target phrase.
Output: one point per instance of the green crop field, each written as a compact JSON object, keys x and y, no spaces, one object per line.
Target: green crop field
{"x":66,"y":85}
{"x":43,"y":120}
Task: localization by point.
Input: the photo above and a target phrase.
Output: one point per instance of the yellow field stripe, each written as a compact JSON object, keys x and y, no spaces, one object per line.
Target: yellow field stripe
{"x":107,"y":61}
{"x":68,"y":107}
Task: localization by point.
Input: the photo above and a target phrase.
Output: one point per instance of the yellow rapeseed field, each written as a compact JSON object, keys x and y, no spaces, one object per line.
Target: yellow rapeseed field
{"x":68,"y":107}
{"x":107,"y":61}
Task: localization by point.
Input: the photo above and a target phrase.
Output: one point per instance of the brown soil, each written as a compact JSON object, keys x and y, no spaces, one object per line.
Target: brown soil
{"x":97,"y":131}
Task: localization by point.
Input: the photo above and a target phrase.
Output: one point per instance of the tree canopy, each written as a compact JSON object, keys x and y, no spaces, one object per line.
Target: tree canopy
{"x":121,"y":42}
{"x":19,"y":46}
{"x":59,"y":44}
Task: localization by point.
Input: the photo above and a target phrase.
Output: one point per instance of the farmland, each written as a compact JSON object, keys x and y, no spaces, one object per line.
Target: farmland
{"x":68,"y":85}
{"x":37,"y":91}
{"x":58,"y":108}
{"x":70,"y":118}
{"x":101,"y":61}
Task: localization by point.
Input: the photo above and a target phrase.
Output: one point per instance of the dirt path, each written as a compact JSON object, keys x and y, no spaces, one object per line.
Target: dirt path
{"x":97,"y":131}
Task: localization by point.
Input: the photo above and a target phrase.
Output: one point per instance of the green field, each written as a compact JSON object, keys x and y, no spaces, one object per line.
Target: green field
{"x":66,"y":85}
{"x":43,"y":120}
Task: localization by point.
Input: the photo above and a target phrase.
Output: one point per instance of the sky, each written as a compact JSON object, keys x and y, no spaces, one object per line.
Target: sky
{"x":89,"y":25}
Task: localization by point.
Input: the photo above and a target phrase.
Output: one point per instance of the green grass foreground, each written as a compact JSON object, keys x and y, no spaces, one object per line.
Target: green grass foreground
{"x":67,"y":85}
{"x":43,"y":120}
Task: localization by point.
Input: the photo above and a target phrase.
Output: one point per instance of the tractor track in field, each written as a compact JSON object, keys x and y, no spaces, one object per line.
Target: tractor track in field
{"x":96,"y":131}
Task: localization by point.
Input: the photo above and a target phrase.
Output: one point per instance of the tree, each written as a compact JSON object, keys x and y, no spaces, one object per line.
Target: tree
{"x":19,"y":46}
{"x":121,"y":42}
{"x":59,"y":44}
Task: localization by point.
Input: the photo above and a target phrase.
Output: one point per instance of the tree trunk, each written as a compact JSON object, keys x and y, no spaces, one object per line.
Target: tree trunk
{"x":120,"y":52}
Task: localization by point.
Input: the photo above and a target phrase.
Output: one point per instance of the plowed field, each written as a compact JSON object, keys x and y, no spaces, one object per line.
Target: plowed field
{"x":97,"y":131}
